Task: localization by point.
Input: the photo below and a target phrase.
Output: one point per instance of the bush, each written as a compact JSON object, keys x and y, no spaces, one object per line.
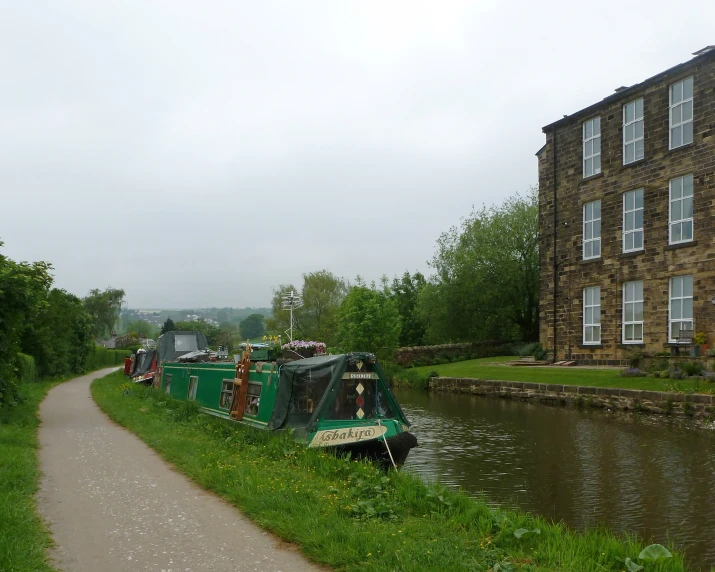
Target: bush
{"x":676,"y":374}
{"x":665,"y":374}
{"x":527,"y":349}
{"x":26,"y":370}
{"x":439,"y":361}
{"x":539,"y":353}
{"x":634,"y":357}
{"x":633,"y":372}
{"x":692,"y":368}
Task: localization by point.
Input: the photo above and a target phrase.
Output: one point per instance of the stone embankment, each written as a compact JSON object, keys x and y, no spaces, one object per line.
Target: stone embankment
{"x":693,"y":405}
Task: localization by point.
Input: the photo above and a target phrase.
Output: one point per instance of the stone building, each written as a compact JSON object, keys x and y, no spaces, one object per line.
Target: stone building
{"x":627,"y":219}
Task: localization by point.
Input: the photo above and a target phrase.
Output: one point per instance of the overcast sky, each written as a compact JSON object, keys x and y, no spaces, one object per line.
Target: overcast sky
{"x":199,"y":154}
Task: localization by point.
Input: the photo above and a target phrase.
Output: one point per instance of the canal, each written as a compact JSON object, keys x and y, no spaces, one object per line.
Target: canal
{"x":637,"y":474}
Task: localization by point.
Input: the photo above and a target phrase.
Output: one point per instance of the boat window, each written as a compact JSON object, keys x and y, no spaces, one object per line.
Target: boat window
{"x":309,"y":386}
{"x":226,"y":394}
{"x":253,"y":398}
{"x":167,"y":384}
{"x":360,"y":399}
{"x":185,"y":343}
{"x":193,"y":386}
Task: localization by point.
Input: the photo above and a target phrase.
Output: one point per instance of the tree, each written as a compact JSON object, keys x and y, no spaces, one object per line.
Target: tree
{"x":487,"y":276}
{"x":252,"y":327}
{"x":212,"y":332}
{"x":323,"y":292}
{"x":368,"y":320}
{"x":23,"y":292}
{"x":142,"y":328}
{"x":104,"y":307}
{"x":60,"y":337}
{"x":406,"y":293}
{"x":168,"y":326}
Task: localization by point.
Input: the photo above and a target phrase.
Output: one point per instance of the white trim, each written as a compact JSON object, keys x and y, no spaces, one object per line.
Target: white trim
{"x":637,"y":299}
{"x":637,"y":119}
{"x":680,"y":106}
{"x":682,"y":222}
{"x":681,"y":299}
{"x":595,"y":323}
{"x":590,"y":238}
{"x":636,"y":229}
{"x":595,"y":140}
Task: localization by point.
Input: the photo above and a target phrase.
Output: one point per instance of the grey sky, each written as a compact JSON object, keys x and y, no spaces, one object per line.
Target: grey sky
{"x":201,"y":153}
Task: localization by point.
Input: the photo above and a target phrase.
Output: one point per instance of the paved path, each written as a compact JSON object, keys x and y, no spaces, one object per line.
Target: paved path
{"x":113,"y":505}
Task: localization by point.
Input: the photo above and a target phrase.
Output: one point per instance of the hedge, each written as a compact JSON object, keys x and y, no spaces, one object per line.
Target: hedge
{"x":26,"y":369}
{"x":102,"y":357}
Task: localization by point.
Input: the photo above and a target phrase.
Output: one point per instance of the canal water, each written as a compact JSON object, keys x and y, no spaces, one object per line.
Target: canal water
{"x":637,"y":474}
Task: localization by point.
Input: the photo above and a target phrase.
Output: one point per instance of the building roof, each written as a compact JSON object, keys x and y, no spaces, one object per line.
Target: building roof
{"x":624,"y":93}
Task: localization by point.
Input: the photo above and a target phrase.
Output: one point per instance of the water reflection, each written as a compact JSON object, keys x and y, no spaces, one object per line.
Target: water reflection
{"x":633,"y":473}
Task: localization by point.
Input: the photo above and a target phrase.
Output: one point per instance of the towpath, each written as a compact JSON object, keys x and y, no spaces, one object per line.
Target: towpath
{"x":113,"y":504}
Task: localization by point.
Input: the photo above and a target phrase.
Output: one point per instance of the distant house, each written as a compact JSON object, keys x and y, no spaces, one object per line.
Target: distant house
{"x":627,"y":219}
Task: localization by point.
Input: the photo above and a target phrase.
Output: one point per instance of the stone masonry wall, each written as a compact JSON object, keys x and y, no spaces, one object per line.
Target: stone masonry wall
{"x":697,"y":405}
{"x":658,"y":261}
{"x":408,"y":355}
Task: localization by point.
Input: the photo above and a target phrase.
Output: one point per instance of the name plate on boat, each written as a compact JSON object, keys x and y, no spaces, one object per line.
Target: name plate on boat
{"x":359,"y":375}
{"x":331,"y":437}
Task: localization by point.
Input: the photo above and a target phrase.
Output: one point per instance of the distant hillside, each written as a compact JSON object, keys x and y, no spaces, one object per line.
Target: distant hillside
{"x":157,"y":316}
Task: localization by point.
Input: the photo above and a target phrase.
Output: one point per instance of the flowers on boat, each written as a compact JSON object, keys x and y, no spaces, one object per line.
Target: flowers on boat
{"x":295,"y":345}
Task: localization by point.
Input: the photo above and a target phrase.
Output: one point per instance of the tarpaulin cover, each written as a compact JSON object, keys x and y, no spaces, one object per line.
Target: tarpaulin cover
{"x":143,"y":361}
{"x":171,"y":345}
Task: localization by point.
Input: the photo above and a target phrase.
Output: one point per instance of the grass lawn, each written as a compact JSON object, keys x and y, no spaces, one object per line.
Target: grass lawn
{"x":350,"y":515}
{"x":488,"y":368}
{"x":23,"y":536}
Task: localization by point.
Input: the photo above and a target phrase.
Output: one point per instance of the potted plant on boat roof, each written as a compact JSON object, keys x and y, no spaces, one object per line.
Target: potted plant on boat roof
{"x":303,"y":348}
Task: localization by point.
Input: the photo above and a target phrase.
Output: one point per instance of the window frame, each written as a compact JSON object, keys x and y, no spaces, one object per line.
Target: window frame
{"x":634,"y":122}
{"x":635,"y":229}
{"x":672,"y":106}
{"x":224,"y":384}
{"x":193,"y":387}
{"x":593,"y":238}
{"x":592,"y":139}
{"x":591,"y":324}
{"x":633,"y":322}
{"x":681,"y":221}
{"x":680,"y":320}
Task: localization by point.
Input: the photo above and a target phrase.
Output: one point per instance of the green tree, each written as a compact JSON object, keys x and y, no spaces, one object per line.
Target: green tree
{"x":487,"y":276}
{"x":323,"y":292}
{"x":212,"y":332}
{"x":104,"y":307}
{"x":60,"y":337}
{"x":252,"y":327}
{"x":168,"y":326}
{"x":142,"y":327}
{"x":368,"y":320}
{"x":406,"y":293}
{"x":23,"y":292}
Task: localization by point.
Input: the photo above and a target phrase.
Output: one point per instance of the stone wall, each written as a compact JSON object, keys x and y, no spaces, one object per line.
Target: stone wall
{"x":680,"y":404}
{"x":408,"y":355}
{"x":563,"y":191}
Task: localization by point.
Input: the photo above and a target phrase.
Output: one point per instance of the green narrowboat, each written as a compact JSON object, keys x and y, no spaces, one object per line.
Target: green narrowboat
{"x":338,"y":401}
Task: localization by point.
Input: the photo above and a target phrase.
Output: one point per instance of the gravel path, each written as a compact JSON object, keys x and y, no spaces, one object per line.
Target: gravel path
{"x":112,"y":504}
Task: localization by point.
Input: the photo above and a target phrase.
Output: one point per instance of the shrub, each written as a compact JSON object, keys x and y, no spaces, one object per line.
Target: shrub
{"x":665,"y":374}
{"x":634,"y":357}
{"x":26,"y":370}
{"x":676,"y":374}
{"x":439,"y":361}
{"x":527,"y":349}
{"x":632,"y":372}
{"x":692,"y":368}
{"x":539,"y":353}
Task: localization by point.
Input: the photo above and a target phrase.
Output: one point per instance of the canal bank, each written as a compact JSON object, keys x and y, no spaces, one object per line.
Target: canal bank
{"x":640,"y":474}
{"x":692,"y":405}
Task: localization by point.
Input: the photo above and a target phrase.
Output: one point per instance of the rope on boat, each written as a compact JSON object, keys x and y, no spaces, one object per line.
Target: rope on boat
{"x":384,"y":440}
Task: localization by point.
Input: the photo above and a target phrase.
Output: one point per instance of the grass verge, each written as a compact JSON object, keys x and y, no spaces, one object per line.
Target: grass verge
{"x":24,"y":539}
{"x":350,"y":515}
{"x":488,"y":368}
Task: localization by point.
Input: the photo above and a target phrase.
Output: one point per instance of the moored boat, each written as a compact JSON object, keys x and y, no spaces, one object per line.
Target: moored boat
{"x":340,"y":401}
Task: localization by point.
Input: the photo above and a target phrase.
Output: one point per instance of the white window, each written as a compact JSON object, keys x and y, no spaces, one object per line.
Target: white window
{"x":633,"y":312}
{"x":592,"y":315}
{"x":681,"y":209}
{"x":633,"y":131}
{"x":592,"y":147}
{"x":681,"y":305}
{"x":193,"y":386}
{"x":681,"y":113}
{"x":633,"y":220}
{"x":592,"y":230}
